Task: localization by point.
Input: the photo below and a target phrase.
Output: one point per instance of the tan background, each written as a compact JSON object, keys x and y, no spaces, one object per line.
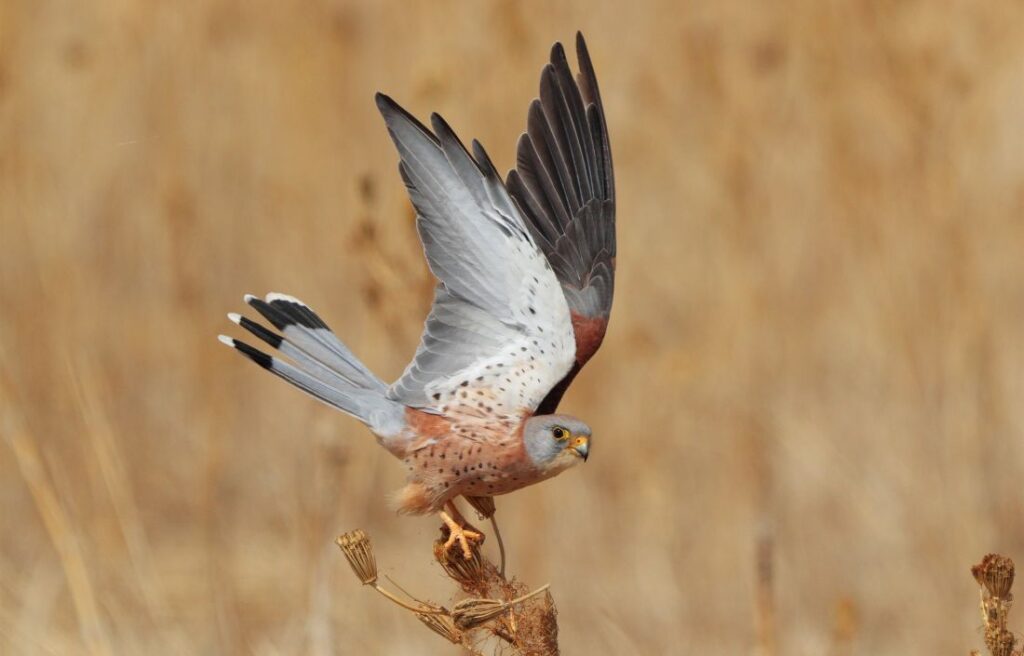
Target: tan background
{"x":816,"y":345}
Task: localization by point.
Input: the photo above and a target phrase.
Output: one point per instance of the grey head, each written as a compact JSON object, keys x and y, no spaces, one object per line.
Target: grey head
{"x":556,"y":442}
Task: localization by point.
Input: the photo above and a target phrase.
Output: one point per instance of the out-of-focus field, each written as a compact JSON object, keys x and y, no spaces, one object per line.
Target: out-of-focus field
{"x":816,"y":353}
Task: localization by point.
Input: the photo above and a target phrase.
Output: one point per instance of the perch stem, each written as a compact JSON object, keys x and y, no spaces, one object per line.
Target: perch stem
{"x":416,"y":609}
{"x":501,"y":544}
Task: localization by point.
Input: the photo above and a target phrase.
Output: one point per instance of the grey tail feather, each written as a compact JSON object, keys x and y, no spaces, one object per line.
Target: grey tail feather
{"x":321,"y":365}
{"x":307,"y":333}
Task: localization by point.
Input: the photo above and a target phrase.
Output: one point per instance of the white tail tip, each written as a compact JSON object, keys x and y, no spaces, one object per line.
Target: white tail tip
{"x":235,"y":317}
{"x":224,"y":339}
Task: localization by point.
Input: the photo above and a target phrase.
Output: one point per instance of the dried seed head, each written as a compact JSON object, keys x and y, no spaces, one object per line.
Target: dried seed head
{"x":442,"y":625}
{"x":483,"y":505}
{"x":465,"y":571}
{"x":357,"y":549}
{"x":470,"y":613}
{"x":995,"y":574}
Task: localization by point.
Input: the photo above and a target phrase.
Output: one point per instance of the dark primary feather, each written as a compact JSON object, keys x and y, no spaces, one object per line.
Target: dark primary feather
{"x":565,"y":188}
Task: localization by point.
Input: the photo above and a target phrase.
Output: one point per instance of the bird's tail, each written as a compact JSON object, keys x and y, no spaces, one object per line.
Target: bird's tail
{"x":321,"y":365}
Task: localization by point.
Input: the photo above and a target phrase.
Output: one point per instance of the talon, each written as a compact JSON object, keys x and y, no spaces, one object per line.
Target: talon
{"x":461,"y":534}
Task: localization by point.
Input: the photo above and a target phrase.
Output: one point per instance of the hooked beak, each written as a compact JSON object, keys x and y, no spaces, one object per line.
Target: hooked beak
{"x":581,"y":445}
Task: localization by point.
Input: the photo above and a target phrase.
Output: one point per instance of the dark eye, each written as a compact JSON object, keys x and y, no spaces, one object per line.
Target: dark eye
{"x":559,"y":433}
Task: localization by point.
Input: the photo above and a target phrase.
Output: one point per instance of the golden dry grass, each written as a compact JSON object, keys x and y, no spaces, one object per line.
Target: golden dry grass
{"x":808,"y":409}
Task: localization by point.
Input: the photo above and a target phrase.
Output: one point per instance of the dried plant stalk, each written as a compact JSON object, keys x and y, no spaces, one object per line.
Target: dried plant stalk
{"x":500,"y":608}
{"x":470,"y":613}
{"x":359,"y":551}
{"x":994,"y":575}
{"x":442,"y":625}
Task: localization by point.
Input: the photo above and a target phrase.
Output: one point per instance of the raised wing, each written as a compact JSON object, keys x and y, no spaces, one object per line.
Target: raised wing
{"x":565,"y":187}
{"x":499,"y":336}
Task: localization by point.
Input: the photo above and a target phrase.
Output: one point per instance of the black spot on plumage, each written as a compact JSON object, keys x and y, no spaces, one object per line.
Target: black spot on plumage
{"x":437,"y":396}
{"x":532,"y":311}
{"x":464,"y":383}
{"x":257,"y":356}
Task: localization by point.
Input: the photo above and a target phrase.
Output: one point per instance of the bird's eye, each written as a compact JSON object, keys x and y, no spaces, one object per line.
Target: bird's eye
{"x":560,"y":433}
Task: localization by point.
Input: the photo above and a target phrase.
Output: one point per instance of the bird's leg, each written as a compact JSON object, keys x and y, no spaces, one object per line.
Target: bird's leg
{"x":457,"y":530}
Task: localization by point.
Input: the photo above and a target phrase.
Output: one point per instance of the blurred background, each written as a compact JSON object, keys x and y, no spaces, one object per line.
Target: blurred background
{"x":808,"y":408}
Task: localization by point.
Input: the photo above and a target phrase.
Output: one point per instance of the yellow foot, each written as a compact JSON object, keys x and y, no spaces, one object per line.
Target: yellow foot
{"x":463,"y":535}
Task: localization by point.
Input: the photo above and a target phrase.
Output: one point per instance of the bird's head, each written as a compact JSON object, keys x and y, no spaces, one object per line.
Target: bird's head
{"x":556,"y":442}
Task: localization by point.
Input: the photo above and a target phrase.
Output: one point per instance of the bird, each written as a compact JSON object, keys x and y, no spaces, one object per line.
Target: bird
{"x":525,"y":271}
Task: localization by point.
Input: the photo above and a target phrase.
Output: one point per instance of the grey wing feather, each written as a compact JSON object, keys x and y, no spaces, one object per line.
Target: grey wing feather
{"x":498,"y":303}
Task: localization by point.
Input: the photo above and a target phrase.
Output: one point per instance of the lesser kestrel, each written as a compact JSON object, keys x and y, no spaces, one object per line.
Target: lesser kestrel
{"x":525,"y":272}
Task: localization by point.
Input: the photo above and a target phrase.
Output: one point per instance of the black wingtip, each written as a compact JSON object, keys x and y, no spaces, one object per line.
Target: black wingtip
{"x":440,"y":126}
{"x":256,"y":355}
{"x":383,"y":101}
{"x":557,"y":52}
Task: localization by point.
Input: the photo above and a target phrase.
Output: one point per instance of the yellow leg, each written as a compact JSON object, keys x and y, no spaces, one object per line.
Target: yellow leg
{"x":457,"y":532}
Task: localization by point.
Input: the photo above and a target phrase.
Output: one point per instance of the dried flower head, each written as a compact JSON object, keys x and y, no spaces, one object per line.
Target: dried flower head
{"x":995,"y":573}
{"x":357,"y":549}
{"x":467,"y":572}
{"x":483,"y":505}
{"x":470,"y":613}
{"x":442,"y":625}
